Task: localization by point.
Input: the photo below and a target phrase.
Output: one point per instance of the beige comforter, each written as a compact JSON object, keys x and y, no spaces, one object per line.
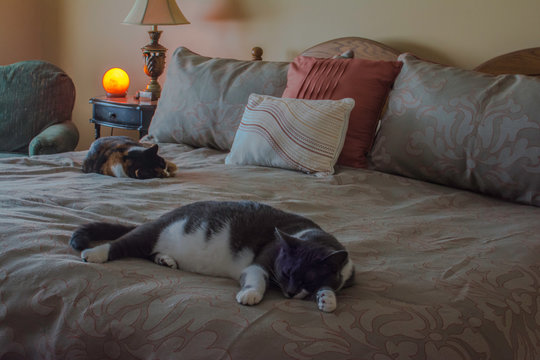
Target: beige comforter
{"x":441,"y":273}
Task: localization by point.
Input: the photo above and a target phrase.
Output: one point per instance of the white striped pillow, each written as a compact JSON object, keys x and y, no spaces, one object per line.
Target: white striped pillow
{"x":297,"y":134}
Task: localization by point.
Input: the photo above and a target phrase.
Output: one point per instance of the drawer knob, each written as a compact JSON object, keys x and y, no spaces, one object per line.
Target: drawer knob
{"x":112,"y":116}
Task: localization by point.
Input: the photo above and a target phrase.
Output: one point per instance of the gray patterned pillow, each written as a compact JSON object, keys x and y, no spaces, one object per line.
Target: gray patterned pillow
{"x":463,"y":129}
{"x":203,"y":98}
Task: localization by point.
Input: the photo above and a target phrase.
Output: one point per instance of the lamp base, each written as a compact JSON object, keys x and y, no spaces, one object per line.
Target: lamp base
{"x":148,"y":95}
{"x":154,"y":64}
{"x":109,"y":95}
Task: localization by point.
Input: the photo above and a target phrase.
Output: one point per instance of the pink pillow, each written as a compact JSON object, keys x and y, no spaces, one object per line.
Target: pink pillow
{"x":368,"y":82}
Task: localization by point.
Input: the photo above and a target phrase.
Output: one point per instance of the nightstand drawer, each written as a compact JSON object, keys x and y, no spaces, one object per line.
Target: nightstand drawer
{"x":124,"y":113}
{"x":117,"y":115}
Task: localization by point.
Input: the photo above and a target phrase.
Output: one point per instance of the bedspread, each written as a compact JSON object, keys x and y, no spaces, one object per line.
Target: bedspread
{"x":441,"y":273}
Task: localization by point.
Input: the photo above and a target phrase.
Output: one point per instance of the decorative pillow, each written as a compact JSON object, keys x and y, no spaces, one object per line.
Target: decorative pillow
{"x":305,"y":135}
{"x":464,"y":129}
{"x":366,"y":81}
{"x":203,"y":98}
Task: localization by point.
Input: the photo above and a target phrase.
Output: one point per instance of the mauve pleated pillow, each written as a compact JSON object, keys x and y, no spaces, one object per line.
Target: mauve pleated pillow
{"x":368,"y":82}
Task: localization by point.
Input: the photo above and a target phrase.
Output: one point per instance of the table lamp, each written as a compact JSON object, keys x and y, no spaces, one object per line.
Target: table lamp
{"x":154,"y":13}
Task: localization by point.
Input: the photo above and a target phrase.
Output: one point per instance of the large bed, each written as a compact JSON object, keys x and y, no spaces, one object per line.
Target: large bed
{"x":443,"y":270}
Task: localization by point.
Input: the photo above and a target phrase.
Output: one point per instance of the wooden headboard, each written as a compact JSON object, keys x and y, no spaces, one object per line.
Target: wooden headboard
{"x":363,"y":49}
{"x":526,"y":62}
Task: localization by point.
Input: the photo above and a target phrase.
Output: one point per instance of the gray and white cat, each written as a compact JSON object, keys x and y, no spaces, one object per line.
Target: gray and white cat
{"x":246,"y":241}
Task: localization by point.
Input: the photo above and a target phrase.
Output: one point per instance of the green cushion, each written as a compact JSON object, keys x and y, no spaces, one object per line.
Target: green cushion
{"x":33,"y":96}
{"x":55,"y":139}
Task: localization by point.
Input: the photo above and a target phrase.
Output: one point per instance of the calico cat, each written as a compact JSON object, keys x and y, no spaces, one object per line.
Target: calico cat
{"x":247,"y":241}
{"x":122,"y":156}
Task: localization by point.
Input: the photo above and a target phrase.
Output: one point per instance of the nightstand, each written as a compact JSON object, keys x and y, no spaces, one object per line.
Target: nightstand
{"x":122,"y":112}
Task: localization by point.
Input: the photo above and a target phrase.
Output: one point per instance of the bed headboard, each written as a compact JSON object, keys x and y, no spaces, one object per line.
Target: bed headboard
{"x":526,"y":62}
{"x":363,"y":49}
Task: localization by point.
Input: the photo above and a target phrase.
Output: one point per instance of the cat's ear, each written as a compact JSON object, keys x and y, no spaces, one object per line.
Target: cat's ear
{"x":152,"y":150}
{"x":288,"y":241}
{"x":336,"y":259}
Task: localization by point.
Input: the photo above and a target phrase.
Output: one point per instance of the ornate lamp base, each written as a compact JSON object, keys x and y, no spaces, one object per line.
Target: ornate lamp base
{"x":154,"y":64}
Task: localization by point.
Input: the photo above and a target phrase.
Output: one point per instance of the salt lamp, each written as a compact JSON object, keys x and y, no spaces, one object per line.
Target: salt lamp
{"x":116,"y":82}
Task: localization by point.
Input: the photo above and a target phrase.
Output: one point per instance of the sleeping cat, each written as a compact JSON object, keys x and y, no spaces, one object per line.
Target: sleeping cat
{"x":246,"y":241}
{"x":121,"y":156}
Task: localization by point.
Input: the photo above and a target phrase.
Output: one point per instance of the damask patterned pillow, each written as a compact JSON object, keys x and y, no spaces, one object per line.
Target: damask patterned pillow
{"x":203,"y":98}
{"x":296,"y":134}
{"x":463,"y":129}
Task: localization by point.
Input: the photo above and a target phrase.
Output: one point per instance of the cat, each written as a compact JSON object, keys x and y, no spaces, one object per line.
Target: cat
{"x":121,"y":156}
{"x":251,"y":242}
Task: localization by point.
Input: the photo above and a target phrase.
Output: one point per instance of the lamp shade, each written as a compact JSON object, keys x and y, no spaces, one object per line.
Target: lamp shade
{"x":155,"y":12}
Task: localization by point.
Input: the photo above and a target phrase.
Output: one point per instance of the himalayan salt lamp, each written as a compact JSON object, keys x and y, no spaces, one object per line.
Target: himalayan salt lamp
{"x":116,"y":82}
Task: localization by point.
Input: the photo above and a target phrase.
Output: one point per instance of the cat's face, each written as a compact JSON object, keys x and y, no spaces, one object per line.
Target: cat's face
{"x":144,"y":163}
{"x":303,"y":267}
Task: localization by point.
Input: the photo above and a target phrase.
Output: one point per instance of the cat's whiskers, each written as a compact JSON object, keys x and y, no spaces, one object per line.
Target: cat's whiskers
{"x":274,"y":278}
{"x":302,"y":294}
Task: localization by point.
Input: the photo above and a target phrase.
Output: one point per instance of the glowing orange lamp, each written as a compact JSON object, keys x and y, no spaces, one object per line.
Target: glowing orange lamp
{"x":116,"y":82}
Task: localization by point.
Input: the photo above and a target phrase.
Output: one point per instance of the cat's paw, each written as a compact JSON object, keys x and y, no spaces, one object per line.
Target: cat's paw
{"x":170,"y":169}
{"x":249,"y":296}
{"x":326,"y":300}
{"x":99,"y":254}
{"x":165,"y":260}
{"x":80,"y":239}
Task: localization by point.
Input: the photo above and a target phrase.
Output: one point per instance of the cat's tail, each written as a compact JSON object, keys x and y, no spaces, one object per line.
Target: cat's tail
{"x":97,"y":231}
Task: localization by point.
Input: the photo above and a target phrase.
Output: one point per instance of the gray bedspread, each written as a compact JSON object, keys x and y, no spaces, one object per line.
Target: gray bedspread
{"x":441,"y":273}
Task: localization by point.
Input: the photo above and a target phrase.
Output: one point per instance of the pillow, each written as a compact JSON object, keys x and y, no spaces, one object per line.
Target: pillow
{"x":305,"y":135}
{"x":464,"y":129}
{"x":203,"y":98}
{"x":366,"y":81}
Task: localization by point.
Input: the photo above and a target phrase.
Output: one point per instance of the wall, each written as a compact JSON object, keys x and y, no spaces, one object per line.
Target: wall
{"x":86,"y":37}
{"x":29,"y":29}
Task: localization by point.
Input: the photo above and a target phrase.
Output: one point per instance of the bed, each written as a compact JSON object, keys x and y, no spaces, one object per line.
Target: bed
{"x":445,"y":268}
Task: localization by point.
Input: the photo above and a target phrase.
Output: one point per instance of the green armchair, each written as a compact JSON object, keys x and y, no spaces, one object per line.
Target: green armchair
{"x":36,"y":102}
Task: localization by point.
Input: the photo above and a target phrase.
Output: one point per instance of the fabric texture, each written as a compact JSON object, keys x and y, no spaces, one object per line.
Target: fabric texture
{"x":203,"y":98}
{"x":464,"y":129}
{"x":296,"y":134}
{"x":55,"y":139}
{"x":35,"y":96}
{"x":441,"y":273}
{"x":366,"y":81}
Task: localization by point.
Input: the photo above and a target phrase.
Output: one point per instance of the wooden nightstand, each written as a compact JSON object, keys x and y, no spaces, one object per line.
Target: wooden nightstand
{"x":124,"y":113}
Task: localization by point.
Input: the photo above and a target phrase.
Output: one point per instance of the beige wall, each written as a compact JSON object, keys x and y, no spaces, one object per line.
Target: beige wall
{"x":29,"y":29}
{"x":86,"y":37}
